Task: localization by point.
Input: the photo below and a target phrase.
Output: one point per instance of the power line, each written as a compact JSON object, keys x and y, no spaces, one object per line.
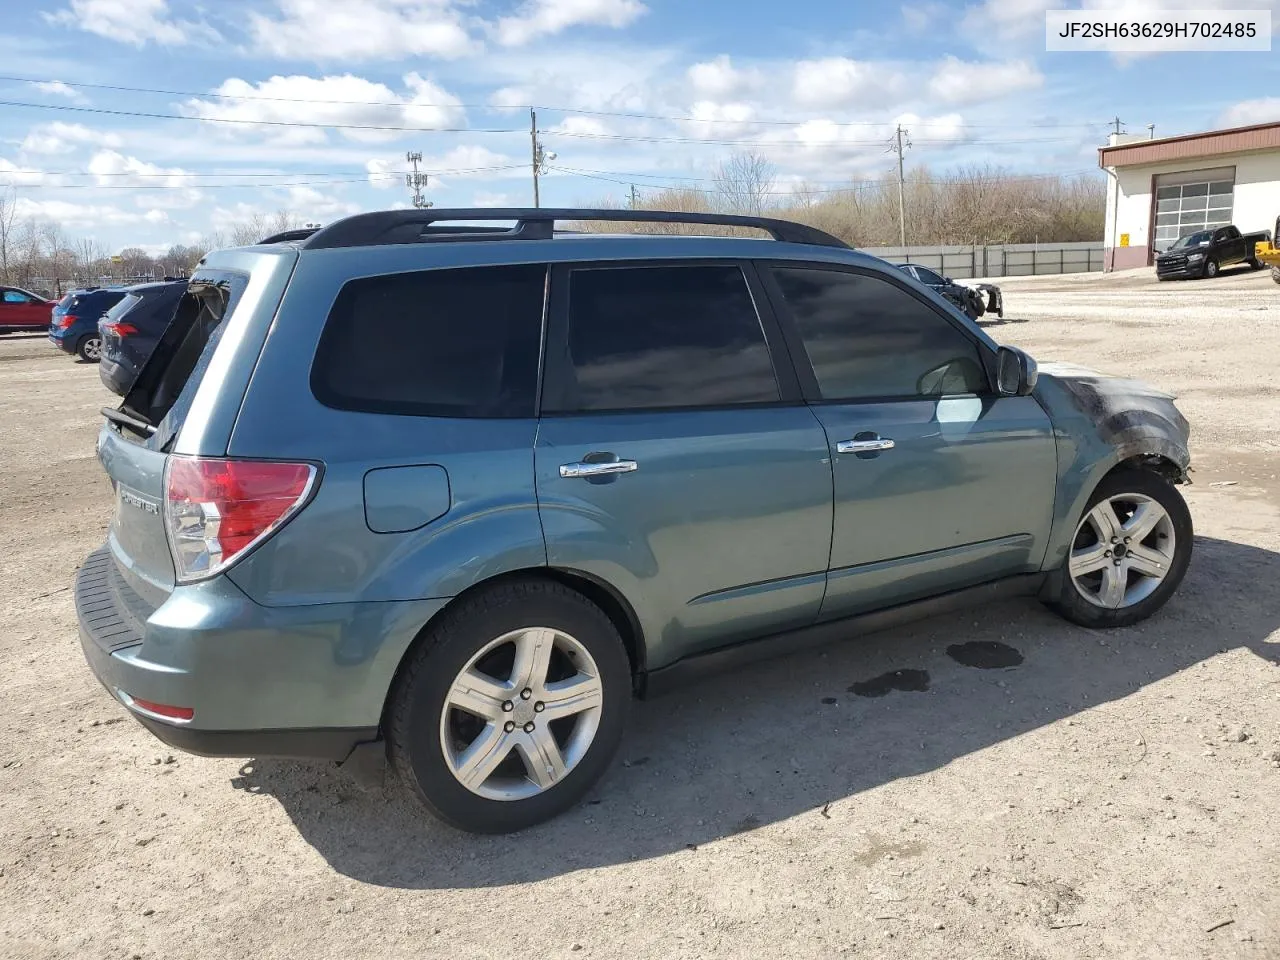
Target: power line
{"x":630,"y":138}
{"x":533,"y":106}
{"x":183,"y":172}
{"x":801,"y":188}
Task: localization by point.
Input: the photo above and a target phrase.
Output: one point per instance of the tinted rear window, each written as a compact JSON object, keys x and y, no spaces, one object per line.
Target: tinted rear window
{"x":446,"y":343}
{"x":660,"y":337}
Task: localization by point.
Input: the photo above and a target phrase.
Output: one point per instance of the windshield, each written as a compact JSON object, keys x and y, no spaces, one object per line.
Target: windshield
{"x":1194,"y":240}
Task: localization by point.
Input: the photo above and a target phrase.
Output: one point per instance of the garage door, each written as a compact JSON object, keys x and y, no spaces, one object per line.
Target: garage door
{"x":1191,"y":201}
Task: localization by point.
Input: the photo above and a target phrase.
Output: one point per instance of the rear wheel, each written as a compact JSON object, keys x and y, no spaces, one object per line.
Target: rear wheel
{"x":511,"y":708}
{"x":1255,"y":264}
{"x":1130,"y":551}
{"x":89,"y":349}
{"x":1210,"y":268}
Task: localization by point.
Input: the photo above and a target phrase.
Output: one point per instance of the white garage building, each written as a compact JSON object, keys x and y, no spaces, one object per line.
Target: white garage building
{"x":1160,"y":190}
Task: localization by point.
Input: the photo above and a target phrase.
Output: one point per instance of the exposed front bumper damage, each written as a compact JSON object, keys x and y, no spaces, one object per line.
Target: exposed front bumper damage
{"x":994,"y":299}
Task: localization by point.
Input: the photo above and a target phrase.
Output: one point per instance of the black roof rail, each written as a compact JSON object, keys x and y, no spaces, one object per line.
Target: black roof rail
{"x":417,"y":226}
{"x":287,"y":235}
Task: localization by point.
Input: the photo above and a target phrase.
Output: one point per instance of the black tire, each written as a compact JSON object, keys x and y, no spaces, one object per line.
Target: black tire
{"x":1210,"y":269}
{"x":1275,"y":274}
{"x":1255,"y":264}
{"x":418,"y":697}
{"x":1066,"y":599}
{"x":89,"y":348}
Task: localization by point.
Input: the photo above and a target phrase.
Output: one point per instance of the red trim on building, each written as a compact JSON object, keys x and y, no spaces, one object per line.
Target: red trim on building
{"x":1260,"y":136}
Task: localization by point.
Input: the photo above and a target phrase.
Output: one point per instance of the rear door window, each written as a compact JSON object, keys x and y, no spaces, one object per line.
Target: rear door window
{"x":444,"y":343}
{"x":661,"y":336}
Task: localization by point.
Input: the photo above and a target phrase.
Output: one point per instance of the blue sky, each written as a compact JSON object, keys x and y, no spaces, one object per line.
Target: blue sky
{"x":651,"y":92}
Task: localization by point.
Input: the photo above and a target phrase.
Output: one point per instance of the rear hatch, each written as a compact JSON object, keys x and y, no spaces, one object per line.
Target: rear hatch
{"x":137,"y":439}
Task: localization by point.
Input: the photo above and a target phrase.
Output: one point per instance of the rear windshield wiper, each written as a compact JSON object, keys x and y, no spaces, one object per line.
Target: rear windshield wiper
{"x":124,"y":419}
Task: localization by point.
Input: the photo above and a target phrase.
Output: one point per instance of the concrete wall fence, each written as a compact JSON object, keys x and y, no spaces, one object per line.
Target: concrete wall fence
{"x":998,"y":260}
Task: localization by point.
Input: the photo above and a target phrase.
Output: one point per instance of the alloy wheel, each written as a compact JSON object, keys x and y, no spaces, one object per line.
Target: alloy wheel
{"x":1123,"y":550}
{"x":522,"y":714}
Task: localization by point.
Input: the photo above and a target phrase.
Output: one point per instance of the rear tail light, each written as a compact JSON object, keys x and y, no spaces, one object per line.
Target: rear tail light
{"x":119,"y":328}
{"x":66,"y":320}
{"x":216,"y":510}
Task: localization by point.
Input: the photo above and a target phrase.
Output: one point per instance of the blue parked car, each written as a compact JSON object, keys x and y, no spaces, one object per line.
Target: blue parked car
{"x":74,"y":327}
{"x":131,"y":329}
{"x":450,"y":495}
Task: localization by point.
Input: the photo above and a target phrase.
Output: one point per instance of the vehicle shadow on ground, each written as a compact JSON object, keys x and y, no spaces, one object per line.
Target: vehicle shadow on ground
{"x":776,"y":740}
{"x":999,"y":321}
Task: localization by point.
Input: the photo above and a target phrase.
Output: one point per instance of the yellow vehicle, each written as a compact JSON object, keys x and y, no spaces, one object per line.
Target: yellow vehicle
{"x":1269,"y":252}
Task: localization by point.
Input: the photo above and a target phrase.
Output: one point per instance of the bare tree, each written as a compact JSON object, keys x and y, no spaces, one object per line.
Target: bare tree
{"x":8,"y":213}
{"x":744,"y":183}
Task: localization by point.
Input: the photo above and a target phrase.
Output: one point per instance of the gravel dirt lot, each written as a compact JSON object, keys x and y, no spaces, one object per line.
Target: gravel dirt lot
{"x":1113,"y":795}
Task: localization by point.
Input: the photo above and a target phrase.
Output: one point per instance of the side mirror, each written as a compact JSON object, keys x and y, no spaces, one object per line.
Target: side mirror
{"x":1016,"y":372}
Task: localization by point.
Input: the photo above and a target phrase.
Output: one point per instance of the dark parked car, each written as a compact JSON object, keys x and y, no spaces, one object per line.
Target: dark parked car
{"x":131,"y":329}
{"x":75,"y":321}
{"x":1204,"y":253}
{"x":973,"y":301}
{"x":386,"y":491}
{"x":22,"y":310}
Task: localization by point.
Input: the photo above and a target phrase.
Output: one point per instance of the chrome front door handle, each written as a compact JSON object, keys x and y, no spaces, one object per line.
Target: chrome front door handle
{"x":870,"y":445}
{"x":587,"y":469}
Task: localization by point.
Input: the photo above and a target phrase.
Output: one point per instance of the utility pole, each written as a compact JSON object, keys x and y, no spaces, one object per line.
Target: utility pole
{"x":1113,"y":188}
{"x":416,"y":181}
{"x":536,"y":154}
{"x":634,"y":202}
{"x":540,"y":157}
{"x":1117,"y":124}
{"x":902,"y":185}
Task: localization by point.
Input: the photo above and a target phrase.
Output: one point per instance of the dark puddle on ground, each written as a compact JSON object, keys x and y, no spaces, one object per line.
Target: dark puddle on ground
{"x":984,"y":654}
{"x":908,"y":681}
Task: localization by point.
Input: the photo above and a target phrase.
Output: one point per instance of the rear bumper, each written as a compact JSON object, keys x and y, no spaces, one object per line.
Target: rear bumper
{"x":307,"y":682}
{"x":65,"y":344}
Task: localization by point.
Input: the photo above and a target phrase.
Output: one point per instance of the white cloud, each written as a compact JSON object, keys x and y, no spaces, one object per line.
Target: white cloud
{"x":580,"y":126}
{"x":110,"y":168}
{"x":59,"y":89}
{"x":20,"y":175}
{"x":958,"y":81}
{"x":383,"y":30}
{"x":486,"y":198}
{"x":74,"y":215}
{"x":923,"y":17}
{"x":718,"y":121}
{"x":719,"y":79}
{"x":840,"y":82}
{"x":541,"y":18}
{"x":59,"y":137}
{"x":344,"y":99}
{"x":135,"y":22}
{"x":1248,"y":112}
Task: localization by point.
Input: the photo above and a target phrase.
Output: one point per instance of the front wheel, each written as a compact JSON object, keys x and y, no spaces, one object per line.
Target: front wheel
{"x":511,"y":707}
{"x":1210,"y":269}
{"x":1129,"y":553}
{"x":89,"y":349}
{"x":1256,"y":264}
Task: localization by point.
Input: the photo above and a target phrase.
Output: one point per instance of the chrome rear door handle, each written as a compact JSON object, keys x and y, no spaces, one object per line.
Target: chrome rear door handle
{"x":871,"y":445}
{"x":587,"y":469}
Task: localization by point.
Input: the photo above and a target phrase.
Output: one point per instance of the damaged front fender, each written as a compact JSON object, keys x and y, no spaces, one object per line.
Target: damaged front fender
{"x":1101,"y":422}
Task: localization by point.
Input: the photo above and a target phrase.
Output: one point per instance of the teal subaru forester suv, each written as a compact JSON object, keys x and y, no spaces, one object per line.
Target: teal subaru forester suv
{"x":449,"y":487}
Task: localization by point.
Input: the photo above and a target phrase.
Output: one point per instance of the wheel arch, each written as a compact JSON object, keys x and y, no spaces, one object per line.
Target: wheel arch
{"x":604,"y":595}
